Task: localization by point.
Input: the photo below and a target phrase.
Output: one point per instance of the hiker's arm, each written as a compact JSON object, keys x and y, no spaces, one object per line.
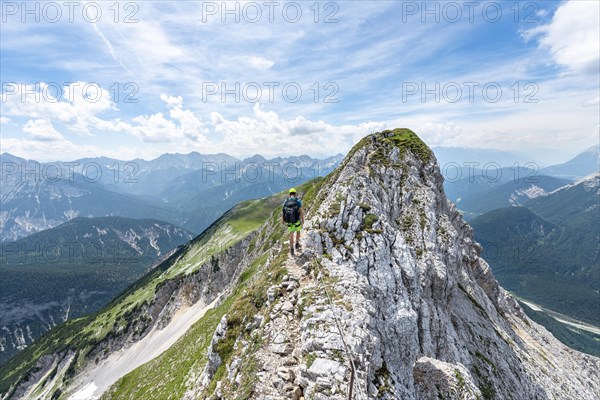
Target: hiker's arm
{"x":302,"y":215}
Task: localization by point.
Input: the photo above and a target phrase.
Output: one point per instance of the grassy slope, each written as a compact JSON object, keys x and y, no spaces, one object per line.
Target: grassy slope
{"x":165,"y":376}
{"x":85,"y":332}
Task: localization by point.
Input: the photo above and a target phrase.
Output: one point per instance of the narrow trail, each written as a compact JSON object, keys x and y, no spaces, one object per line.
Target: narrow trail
{"x":281,"y":357}
{"x":295,"y":270}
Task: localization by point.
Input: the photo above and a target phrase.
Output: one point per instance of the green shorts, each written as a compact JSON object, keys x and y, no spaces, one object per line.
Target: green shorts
{"x":294,"y":227}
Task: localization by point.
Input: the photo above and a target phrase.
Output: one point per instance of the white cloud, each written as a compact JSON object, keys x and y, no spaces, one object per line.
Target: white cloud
{"x":259,"y":62}
{"x":80,"y":105}
{"x":42,"y":130}
{"x":591,"y":102}
{"x":150,"y":42}
{"x":62,"y":150}
{"x":4,"y":120}
{"x":154,"y":129}
{"x":439,"y":134}
{"x":182,"y":125}
{"x":270,"y":135}
{"x":142,"y":46}
{"x":190,"y":125}
{"x":172,"y":101}
{"x":263,"y":132}
{"x":76,"y":105}
{"x":572,"y":36}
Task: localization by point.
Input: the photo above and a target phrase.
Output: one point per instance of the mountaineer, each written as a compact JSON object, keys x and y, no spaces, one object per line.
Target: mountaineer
{"x":293,"y":217}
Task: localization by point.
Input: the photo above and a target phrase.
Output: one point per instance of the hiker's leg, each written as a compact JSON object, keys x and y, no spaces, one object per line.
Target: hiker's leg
{"x":291,"y":232}
{"x":298,"y":228}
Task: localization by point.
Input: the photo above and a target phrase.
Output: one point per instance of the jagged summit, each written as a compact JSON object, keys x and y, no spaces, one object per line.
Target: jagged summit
{"x":402,"y":138}
{"x":440,"y":326}
{"x":389,"y":299}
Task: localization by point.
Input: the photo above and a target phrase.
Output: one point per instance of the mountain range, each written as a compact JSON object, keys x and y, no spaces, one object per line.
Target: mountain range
{"x":388,"y":299}
{"x":478,"y":157}
{"x":576,"y":168}
{"x":547,"y":249}
{"x":509,"y":194}
{"x":477,"y":181}
{"x":189,"y":190}
{"x":192,"y":190}
{"x":74,"y":269}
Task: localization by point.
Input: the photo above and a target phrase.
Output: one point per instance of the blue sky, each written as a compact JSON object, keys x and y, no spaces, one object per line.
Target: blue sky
{"x":360,"y":66}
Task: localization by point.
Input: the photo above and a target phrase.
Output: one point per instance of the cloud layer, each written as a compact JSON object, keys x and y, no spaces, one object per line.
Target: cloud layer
{"x":352,"y":64}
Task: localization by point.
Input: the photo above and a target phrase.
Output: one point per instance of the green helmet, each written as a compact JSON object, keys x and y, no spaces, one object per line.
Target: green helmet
{"x":292,"y":190}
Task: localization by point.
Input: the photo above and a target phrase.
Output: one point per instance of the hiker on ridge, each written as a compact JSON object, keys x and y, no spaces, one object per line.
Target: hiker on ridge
{"x":293,"y":216}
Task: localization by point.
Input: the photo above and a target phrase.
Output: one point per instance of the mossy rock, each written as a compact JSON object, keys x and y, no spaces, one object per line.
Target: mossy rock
{"x":369,"y":220}
{"x":406,"y":139}
{"x":365,"y":207}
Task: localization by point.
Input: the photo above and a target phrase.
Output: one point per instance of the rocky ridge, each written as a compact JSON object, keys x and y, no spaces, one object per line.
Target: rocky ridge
{"x":391,"y":299}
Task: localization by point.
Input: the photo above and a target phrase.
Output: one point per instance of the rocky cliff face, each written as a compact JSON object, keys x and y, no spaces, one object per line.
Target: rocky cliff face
{"x":434,"y":321}
{"x":391,"y":299}
{"x":388,"y":299}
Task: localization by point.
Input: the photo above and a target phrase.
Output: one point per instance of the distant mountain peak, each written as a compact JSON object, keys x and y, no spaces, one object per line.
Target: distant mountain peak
{"x":589,"y":181}
{"x":257,"y":158}
{"x":577,"y":167}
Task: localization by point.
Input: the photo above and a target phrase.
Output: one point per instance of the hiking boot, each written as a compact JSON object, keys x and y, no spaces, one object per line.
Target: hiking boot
{"x":297,"y":246}
{"x":291,"y":250}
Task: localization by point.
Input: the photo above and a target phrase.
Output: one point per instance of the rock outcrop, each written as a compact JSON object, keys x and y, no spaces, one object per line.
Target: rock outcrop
{"x":392,"y":300}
